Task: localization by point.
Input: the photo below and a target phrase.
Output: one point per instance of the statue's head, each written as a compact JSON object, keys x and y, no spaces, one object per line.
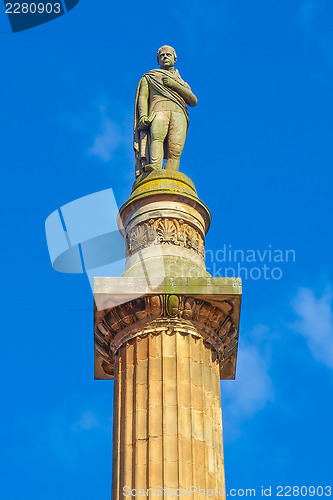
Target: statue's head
{"x":166,"y":57}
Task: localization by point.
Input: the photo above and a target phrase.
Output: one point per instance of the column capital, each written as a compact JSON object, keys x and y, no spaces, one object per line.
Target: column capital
{"x":126,"y":308}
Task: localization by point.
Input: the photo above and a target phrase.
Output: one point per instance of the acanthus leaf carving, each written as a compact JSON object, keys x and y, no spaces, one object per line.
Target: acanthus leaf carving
{"x":164,"y":231}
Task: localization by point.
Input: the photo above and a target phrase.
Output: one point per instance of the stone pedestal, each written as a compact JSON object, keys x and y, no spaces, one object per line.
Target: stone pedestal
{"x":164,"y":225}
{"x":166,"y":332}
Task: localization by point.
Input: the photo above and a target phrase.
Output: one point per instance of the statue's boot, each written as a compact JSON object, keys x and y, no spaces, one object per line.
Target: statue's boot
{"x":150,"y":168}
{"x":172,"y":164}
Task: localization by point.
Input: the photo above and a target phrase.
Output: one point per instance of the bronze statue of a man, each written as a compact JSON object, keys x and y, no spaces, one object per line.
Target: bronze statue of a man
{"x":161,"y":116}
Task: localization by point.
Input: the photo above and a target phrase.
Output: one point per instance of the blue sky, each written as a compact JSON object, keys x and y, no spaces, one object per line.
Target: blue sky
{"x":259,"y":151}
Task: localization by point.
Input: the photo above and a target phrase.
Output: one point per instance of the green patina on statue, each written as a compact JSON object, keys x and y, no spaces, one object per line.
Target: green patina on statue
{"x":161,"y":116}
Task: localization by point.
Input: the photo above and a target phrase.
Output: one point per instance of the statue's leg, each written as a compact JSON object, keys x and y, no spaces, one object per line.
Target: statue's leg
{"x":158,"y":132}
{"x":176,"y":139}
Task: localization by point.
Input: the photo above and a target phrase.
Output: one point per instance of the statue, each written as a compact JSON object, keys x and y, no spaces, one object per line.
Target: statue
{"x":161,"y":116}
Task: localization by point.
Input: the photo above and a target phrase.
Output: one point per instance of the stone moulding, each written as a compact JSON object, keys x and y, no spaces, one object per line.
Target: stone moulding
{"x":165,"y":187}
{"x":173,"y":307}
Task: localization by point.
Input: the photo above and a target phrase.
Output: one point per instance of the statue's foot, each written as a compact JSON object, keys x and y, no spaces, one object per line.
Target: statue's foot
{"x":149,"y":168}
{"x":172,"y":164}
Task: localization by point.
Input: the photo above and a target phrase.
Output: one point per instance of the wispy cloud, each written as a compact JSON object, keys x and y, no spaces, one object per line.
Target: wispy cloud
{"x":105,"y":128}
{"x":70,"y":436}
{"x":315,"y":19}
{"x":108,"y":138}
{"x":87,"y":421}
{"x":315,"y":322}
{"x":253,"y":388}
{"x":306,"y":16}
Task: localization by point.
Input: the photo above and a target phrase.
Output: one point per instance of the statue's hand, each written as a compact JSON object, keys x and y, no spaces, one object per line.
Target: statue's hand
{"x":143,"y":123}
{"x":168,"y":82}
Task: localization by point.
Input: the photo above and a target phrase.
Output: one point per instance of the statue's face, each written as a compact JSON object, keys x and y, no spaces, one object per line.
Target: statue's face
{"x":166,"y":58}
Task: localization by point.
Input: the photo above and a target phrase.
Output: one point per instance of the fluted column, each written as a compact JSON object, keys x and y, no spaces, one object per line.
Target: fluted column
{"x":167,"y":429}
{"x":166,"y":331}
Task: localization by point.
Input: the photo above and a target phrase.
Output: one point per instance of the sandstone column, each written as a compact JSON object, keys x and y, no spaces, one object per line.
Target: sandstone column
{"x":166,"y":331}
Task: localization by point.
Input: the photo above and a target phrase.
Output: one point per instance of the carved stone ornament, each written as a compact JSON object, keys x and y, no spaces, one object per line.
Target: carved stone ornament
{"x":154,"y":314}
{"x":164,"y":231}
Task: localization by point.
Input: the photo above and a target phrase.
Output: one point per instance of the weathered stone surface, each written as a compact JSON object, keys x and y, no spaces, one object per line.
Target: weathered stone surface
{"x":164,"y":223}
{"x":174,"y":434}
{"x":166,"y":332}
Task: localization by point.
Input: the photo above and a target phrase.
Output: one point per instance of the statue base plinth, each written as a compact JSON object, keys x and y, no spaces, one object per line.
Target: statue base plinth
{"x":164,"y":224}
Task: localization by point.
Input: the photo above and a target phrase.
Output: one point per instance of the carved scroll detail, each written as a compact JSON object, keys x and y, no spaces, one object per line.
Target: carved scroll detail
{"x":164,"y":231}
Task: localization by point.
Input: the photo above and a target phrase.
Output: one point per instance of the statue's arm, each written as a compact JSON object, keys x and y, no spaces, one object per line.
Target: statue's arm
{"x":143,"y":98}
{"x":143,"y":104}
{"x":184,"y":91}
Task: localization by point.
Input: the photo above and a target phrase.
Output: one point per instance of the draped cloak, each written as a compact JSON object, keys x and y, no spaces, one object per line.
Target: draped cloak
{"x":142,"y":137}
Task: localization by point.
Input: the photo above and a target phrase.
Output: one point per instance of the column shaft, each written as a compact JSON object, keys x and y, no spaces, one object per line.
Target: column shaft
{"x":167,"y":415}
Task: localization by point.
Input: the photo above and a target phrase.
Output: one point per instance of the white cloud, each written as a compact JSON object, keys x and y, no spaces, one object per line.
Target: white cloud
{"x":307,"y":14}
{"x":315,"y":19}
{"x":253,"y":388}
{"x":108,"y":139}
{"x":315,"y":322}
{"x":72,"y":435}
{"x":104,"y":127}
{"x":87,"y":421}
